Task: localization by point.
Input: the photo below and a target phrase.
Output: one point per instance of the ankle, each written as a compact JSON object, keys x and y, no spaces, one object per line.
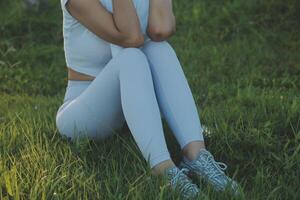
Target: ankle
{"x":161,"y":168}
{"x":191,"y":150}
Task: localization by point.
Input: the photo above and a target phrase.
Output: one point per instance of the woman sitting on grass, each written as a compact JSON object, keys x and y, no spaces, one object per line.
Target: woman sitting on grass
{"x":120,"y":68}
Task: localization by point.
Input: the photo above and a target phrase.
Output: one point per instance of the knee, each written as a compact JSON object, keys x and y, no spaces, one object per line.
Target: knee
{"x":132,"y":55}
{"x":61,"y":126}
{"x":154,"y":44}
{"x":158,"y":47}
{"x":134,"y":60}
{"x":75,"y":122}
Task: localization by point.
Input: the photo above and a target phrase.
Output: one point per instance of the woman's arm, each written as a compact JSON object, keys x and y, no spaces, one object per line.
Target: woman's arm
{"x":161,"y":23}
{"x":121,"y":28}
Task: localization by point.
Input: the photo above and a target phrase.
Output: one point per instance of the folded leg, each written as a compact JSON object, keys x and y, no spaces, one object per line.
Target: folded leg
{"x":123,"y":90}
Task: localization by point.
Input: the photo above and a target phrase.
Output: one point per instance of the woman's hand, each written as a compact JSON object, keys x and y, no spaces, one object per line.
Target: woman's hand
{"x":121,"y":28}
{"x":161,"y":23}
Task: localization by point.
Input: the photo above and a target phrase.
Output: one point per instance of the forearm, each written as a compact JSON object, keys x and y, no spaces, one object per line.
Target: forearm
{"x":94,"y":16}
{"x":126,"y":19}
{"x":162,"y":23}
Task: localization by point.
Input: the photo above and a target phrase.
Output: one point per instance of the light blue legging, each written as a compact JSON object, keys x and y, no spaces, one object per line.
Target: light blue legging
{"x":137,"y":85}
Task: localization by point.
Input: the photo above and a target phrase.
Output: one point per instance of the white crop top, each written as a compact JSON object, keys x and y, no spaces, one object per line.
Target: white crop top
{"x":86,"y":52}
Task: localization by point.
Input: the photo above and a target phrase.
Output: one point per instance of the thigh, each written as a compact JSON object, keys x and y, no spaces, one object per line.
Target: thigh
{"x":95,"y":112}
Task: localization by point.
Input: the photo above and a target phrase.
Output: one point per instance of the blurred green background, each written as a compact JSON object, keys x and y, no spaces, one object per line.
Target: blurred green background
{"x":242,"y":61}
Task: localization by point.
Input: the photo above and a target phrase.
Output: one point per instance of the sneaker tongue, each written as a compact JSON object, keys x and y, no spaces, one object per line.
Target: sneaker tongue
{"x":204,"y":153}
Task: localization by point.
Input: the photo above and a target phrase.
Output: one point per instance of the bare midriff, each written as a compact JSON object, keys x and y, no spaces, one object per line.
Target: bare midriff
{"x":77,"y":76}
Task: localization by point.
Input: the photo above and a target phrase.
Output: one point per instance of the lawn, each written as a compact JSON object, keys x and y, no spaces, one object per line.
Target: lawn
{"x":242,"y":61}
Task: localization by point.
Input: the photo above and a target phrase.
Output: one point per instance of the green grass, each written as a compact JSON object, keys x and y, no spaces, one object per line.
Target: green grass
{"x":242,"y":61}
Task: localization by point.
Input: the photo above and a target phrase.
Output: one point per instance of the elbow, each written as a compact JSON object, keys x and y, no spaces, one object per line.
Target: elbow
{"x":160,"y":33}
{"x":134,"y":40}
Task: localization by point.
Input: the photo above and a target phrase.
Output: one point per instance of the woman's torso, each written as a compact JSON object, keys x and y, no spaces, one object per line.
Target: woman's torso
{"x":86,"y":54}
